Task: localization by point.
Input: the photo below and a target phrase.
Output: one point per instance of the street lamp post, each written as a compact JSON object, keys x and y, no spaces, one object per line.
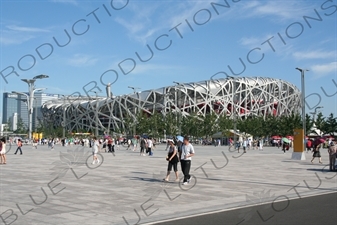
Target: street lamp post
{"x":166,"y":96}
{"x":64,"y":108}
{"x":135,"y":108}
{"x":96,"y":114}
{"x":300,"y":155}
{"x":178,"y":103}
{"x":233,"y":110}
{"x":30,"y":99}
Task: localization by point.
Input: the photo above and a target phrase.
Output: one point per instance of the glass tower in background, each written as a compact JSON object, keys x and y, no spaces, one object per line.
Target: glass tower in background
{"x":10,"y":106}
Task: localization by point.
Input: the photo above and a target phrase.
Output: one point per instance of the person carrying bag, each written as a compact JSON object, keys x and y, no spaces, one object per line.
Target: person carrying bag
{"x":173,"y":160}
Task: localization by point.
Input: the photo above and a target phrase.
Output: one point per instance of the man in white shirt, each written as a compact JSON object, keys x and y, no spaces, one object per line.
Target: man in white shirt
{"x":95,"y":148}
{"x":187,"y":151}
{"x":244,"y":145}
{"x":149,"y":146}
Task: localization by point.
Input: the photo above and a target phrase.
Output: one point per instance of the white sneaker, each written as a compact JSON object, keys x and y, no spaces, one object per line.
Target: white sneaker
{"x":185,"y":183}
{"x":97,"y":161}
{"x":93,"y":162}
{"x":189,"y":180}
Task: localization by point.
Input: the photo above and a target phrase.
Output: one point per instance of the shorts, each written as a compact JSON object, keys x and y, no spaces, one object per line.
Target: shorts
{"x":174,"y":165}
{"x":94,"y":153}
{"x":3,"y":152}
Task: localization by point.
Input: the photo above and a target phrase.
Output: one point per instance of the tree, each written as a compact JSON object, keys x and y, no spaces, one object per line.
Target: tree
{"x":271,"y":126}
{"x":253,"y":125}
{"x":142,"y":125}
{"x":21,"y":128}
{"x":289,"y":123}
{"x":155,"y":124}
{"x":309,"y":123}
{"x":320,"y":120}
{"x":330,"y":125}
{"x":209,"y":125}
{"x":171,"y":124}
{"x":191,"y":125}
{"x":129,"y":124}
{"x":225,"y":124}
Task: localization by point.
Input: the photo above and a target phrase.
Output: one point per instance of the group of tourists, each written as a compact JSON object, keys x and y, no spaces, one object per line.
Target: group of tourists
{"x":246,"y":144}
{"x":179,"y":151}
{"x":332,"y":149}
{"x":3,"y":150}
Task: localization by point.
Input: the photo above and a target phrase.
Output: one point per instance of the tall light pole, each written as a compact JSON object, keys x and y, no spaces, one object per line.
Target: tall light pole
{"x":135,"y":108}
{"x":178,"y":103}
{"x":96,"y":114}
{"x":297,"y":154}
{"x":233,"y":110}
{"x":64,"y":108}
{"x":166,"y":96}
{"x":303,"y":98}
{"x":30,"y":100}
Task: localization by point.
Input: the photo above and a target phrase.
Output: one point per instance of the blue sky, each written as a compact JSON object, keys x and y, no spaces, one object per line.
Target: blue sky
{"x":120,"y":28}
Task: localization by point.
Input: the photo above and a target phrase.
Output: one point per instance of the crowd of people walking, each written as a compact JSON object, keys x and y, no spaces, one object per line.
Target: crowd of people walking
{"x":179,"y":151}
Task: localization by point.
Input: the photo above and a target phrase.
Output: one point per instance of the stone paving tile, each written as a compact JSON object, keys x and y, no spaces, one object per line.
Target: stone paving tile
{"x":129,"y":182}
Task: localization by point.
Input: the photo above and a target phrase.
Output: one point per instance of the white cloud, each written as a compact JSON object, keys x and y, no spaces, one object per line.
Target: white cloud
{"x":284,"y":10}
{"x":324,"y":69}
{"x":148,"y":69}
{"x":72,"y":2}
{"x":145,"y":21}
{"x":251,"y":4}
{"x":15,"y":35}
{"x":318,"y":54}
{"x":15,"y":40}
{"x":251,"y":41}
{"x":139,"y":24}
{"x":26,"y":29}
{"x":130,"y":26}
{"x":186,"y":10}
{"x":79,"y":60}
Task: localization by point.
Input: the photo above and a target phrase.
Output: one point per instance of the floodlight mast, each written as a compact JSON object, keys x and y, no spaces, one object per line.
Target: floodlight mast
{"x":30,"y":99}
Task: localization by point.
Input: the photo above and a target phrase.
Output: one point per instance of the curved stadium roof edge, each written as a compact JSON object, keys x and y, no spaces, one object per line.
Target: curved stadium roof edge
{"x":86,"y":99}
{"x":239,"y":97}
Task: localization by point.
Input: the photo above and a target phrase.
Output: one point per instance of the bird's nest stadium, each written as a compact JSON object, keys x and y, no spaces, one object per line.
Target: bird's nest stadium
{"x":234,"y":97}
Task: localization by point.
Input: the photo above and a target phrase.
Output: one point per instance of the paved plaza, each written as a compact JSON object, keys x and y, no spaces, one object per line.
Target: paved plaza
{"x":60,"y":186}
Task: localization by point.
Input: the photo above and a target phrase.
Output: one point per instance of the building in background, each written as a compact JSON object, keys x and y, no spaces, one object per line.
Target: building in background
{"x":236,"y":98}
{"x":14,"y":104}
{"x":23,"y":109}
{"x":14,"y":122}
{"x":2,"y":129}
{"x":39,"y":99}
{"x":10,"y":106}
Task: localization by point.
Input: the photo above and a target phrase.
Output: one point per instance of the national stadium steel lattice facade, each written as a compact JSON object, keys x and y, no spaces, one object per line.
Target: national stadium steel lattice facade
{"x":239,"y":97}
